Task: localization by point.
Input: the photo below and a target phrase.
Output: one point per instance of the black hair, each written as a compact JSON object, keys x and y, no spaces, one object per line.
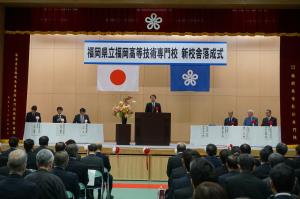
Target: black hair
{"x":92,"y":147}
{"x":283,"y":178}
{"x":13,"y":142}
{"x":187,"y":158}
{"x":60,"y":146}
{"x":232,"y":162}
{"x":224,"y":153}
{"x":235,"y":150}
{"x":70,"y":141}
{"x":34,"y":108}
{"x":275,"y":158}
{"x":28,"y":145}
{"x":72,"y":150}
{"x":281,"y":148}
{"x":208,"y":190}
{"x":181,"y":147}
{"x":153,"y":95}
{"x":245,"y":148}
{"x":82,"y":110}
{"x":264,"y":154}
{"x":246,"y":162}
{"x":202,"y":170}
{"x":59,"y":108}
{"x":211,"y":149}
{"x":43,"y":141}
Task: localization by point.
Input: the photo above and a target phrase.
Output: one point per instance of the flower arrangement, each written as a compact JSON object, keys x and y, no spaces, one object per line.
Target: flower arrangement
{"x":123,"y":109}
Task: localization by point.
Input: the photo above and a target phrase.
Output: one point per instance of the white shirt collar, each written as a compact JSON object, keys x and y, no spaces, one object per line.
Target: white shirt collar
{"x":283,"y":194}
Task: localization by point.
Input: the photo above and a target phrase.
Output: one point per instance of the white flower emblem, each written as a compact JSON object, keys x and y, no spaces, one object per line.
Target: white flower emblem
{"x":190,"y":78}
{"x":153,"y":21}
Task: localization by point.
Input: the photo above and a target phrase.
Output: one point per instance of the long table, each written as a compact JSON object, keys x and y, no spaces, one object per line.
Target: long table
{"x":61,"y":132}
{"x":256,"y":136}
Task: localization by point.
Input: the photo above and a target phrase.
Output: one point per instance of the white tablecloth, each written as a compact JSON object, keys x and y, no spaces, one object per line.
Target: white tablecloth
{"x":256,"y":136}
{"x":60,"y":132}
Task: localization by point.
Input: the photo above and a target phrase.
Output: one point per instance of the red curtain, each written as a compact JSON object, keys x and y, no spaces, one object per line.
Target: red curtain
{"x":133,"y":20}
{"x":289,"y":92}
{"x":15,"y":77}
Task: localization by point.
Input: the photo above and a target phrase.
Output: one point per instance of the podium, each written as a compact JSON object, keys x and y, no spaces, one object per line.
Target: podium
{"x":123,"y":134}
{"x":152,"y":129}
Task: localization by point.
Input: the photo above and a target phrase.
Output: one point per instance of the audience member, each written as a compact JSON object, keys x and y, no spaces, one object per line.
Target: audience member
{"x":283,"y":149}
{"x":224,"y":153}
{"x":175,"y":161}
{"x":49,"y":185}
{"x":13,"y":144}
{"x":209,"y":190}
{"x":233,"y":169}
{"x":31,"y":160}
{"x":202,"y":170}
{"x":246,"y":184}
{"x":75,"y":165}
{"x":235,"y":150}
{"x":263,"y":170}
{"x":69,"y":179}
{"x":275,"y":158}
{"x":43,"y":142}
{"x":211,"y":151}
{"x":60,"y":146}
{"x":245,"y":149}
{"x":297,"y":159}
{"x":15,"y":186}
{"x":282,"y":181}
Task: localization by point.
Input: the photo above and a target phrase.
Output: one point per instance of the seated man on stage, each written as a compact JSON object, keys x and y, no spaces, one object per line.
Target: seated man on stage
{"x":82,"y":117}
{"x":33,"y":116}
{"x":230,"y":121}
{"x":59,"y":117}
{"x":153,"y":106}
{"x":269,"y":120}
{"x":251,"y":120}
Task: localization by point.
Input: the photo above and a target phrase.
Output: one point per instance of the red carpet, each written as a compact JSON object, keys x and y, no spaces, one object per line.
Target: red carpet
{"x":139,"y":186}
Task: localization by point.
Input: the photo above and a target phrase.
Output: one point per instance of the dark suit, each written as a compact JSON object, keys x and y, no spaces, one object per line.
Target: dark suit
{"x":262,"y":171}
{"x":15,"y":187}
{"x":181,"y":187}
{"x":246,"y":184}
{"x":57,"y":118}
{"x":31,"y":117}
{"x":214,"y":161}
{"x":40,"y":148}
{"x":93,"y":162}
{"x":3,"y":160}
{"x":49,"y":185}
{"x":79,"y":168}
{"x":230,"y":121}
{"x":31,"y":160}
{"x":77,"y":119}
{"x":107,"y":165}
{"x":69,"y":179}
{"x":221,"y":170}
{"x":4,"y":171}
{"x":222,"y":180}
{"x":268,"y":122}
{"x":297,"y":162}
{"x":173,"y":163}
{"x":153,"y":109}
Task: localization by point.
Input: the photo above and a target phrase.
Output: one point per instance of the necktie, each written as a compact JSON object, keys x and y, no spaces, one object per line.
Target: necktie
{"x":82,"y":119}
{"x":153,"y":106}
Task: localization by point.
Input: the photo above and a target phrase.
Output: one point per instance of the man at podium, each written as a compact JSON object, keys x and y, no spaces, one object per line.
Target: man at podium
{"x":59,"y":117}
{"x":153,"y":106}
{"x":230,"y":120}
{"x":82,"y":117}
{"x":269,"y":120}
{"x":33,"y":116}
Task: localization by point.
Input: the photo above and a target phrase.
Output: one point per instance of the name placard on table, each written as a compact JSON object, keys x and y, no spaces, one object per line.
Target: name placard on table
{"x":61,"y":132}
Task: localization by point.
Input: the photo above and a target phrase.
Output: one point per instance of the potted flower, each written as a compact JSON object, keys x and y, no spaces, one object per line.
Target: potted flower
{"x":123,"y":109}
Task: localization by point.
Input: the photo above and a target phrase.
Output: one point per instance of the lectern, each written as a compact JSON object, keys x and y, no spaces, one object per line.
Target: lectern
{"x":152,"y":129}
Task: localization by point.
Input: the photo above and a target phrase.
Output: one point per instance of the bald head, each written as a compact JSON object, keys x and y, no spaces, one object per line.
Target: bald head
{"x":181,"y":147}
{"x":17,"y":161}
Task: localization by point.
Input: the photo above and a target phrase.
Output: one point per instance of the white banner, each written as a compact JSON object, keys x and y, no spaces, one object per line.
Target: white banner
{"x":154,"y":52}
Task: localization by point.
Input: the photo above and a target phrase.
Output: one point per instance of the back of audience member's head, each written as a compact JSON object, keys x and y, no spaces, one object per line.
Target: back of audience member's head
{"x":13,"y":142}
{"x":211,"y":150}
{"x":181,"y":147}
{"x":224,"y":153}
{"x":44,"y":158}
{"x":70,"y":141}
{"x":297,"y":150}
{"x":195,"y":154}
{"x":43,"y":141}
{"x":269,"y":148}
{"x":282,"y":178}
{"x":17,"y":161}
{"x":281,"y":148}
{"x":99,"y":147}
{"x":72,"y":150}
{"x":92,"y":147}
{"x":28,"y":145}
{"x":275,"y":158}
{"x":202,"y":170}
{"x":209,"y":190}
{"x":245,"y":148}
{"x":232,"y":162}
{"x":246,"y":162}
{"x":235,"y":150}
{"x":264,"y":155}
{"x":61,"y":159}
{"x":60,"y":146}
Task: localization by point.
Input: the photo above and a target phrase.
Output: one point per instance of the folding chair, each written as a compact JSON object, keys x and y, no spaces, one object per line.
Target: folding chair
{"x":93,"y":174}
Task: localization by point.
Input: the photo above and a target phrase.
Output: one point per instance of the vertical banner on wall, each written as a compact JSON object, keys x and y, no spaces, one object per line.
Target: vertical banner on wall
{"x":289,"y":91}
{"x":16,"y":56}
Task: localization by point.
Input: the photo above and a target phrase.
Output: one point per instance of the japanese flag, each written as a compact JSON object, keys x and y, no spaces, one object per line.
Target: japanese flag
{"x":118,"y":78}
